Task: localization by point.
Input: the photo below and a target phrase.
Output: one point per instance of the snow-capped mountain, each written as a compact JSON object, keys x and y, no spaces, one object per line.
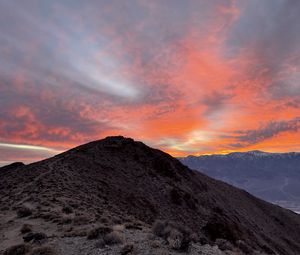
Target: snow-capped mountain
{"x":272,"y":176}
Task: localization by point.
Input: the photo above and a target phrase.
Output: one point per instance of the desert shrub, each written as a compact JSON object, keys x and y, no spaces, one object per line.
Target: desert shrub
{"x":177,"y":237}
{"x":155,"y":244}
{"x":19,"y":249}
{"x":35,"y":237}
{"x":104,"y":219}
{"x":24,"y":212}
{"x":159,"y":227}
{"x":105,"y":236}
{"x":133,"y":225}
{"x":98,"y":232}
{"x":118,"y":227}
{"x":46,"y":250}
{"x":127,"y":249}
{"x":26,"y":228}
{"x":67,"y":209}
{"x":113,"y":237}
{"x":221,"y":228}
{"x":93,"y":234}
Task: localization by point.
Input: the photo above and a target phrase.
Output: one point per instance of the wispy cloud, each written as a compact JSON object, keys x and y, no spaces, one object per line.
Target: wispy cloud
{"x":245,"y":138}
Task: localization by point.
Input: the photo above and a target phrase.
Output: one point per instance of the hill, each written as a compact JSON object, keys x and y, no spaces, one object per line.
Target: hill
{"x":73,"y":198}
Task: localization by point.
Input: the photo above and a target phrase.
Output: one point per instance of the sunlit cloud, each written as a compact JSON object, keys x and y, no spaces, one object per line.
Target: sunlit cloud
{"x":188,"y":77}
{"x":28,"y":147}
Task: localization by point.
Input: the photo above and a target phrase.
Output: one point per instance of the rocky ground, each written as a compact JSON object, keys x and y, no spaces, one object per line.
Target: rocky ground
{"x":68,"y":234}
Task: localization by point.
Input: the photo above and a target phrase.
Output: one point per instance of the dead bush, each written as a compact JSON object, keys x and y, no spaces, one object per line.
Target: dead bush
{"x":177,"y":237}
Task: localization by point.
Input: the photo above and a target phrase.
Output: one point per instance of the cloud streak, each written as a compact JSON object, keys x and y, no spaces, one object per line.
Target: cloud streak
{"x":272,"y":129}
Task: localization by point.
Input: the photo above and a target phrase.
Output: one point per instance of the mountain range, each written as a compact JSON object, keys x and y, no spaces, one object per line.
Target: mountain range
{"x":119,"y":196}
{"x":274,"y":177}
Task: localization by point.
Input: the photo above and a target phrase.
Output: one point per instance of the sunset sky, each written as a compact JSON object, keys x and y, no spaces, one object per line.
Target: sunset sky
{"x":188,"y":77}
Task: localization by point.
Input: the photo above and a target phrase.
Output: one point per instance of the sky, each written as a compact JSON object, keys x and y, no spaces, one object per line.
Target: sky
{"x":188,"y":77}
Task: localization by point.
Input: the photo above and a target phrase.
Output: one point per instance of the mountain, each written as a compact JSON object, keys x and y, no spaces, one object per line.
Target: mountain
{"x":69,"y":201}
{"x":274,"y":177}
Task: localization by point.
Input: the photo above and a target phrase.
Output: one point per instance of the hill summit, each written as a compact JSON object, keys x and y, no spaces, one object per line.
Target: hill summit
{"x":120,"y":181}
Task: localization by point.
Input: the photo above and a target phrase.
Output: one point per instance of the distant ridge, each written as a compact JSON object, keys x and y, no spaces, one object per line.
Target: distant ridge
{"x":274,"y":177}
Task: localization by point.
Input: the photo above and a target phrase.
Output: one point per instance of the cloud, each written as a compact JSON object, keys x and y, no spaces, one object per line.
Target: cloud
{"x":272,"y":129}
{"x":216,"y":101}
{"x":181,"y":75}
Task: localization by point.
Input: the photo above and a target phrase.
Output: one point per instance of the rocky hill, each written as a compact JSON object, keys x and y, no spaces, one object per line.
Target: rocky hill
{"x":119,"y":196}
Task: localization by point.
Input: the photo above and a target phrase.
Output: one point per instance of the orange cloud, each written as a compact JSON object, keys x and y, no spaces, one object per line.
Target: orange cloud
{"x":182,"y":76}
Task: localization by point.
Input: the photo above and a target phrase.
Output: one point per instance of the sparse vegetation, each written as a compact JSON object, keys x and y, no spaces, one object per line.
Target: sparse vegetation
{"x":35,"y":237}
{"x":133,"y":225}
{"x":127,"y":249}
{"x":106,"y":236}
{"x":19,"y":249}
{"x":99,"y":231}
{"x":67,"y":209}
{"x":26,"y":228}
{"x":114,"y":237}
{"x":24,"y":212}
{"x":177,"y":237}
{"x":118,"y":227}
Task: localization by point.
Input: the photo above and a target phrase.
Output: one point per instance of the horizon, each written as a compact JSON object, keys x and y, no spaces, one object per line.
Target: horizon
{"x":186,"y":77}
{"x":55,"y":153}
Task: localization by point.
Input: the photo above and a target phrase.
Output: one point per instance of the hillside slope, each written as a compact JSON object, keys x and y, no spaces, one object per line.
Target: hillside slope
{"x":122,"y":180}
